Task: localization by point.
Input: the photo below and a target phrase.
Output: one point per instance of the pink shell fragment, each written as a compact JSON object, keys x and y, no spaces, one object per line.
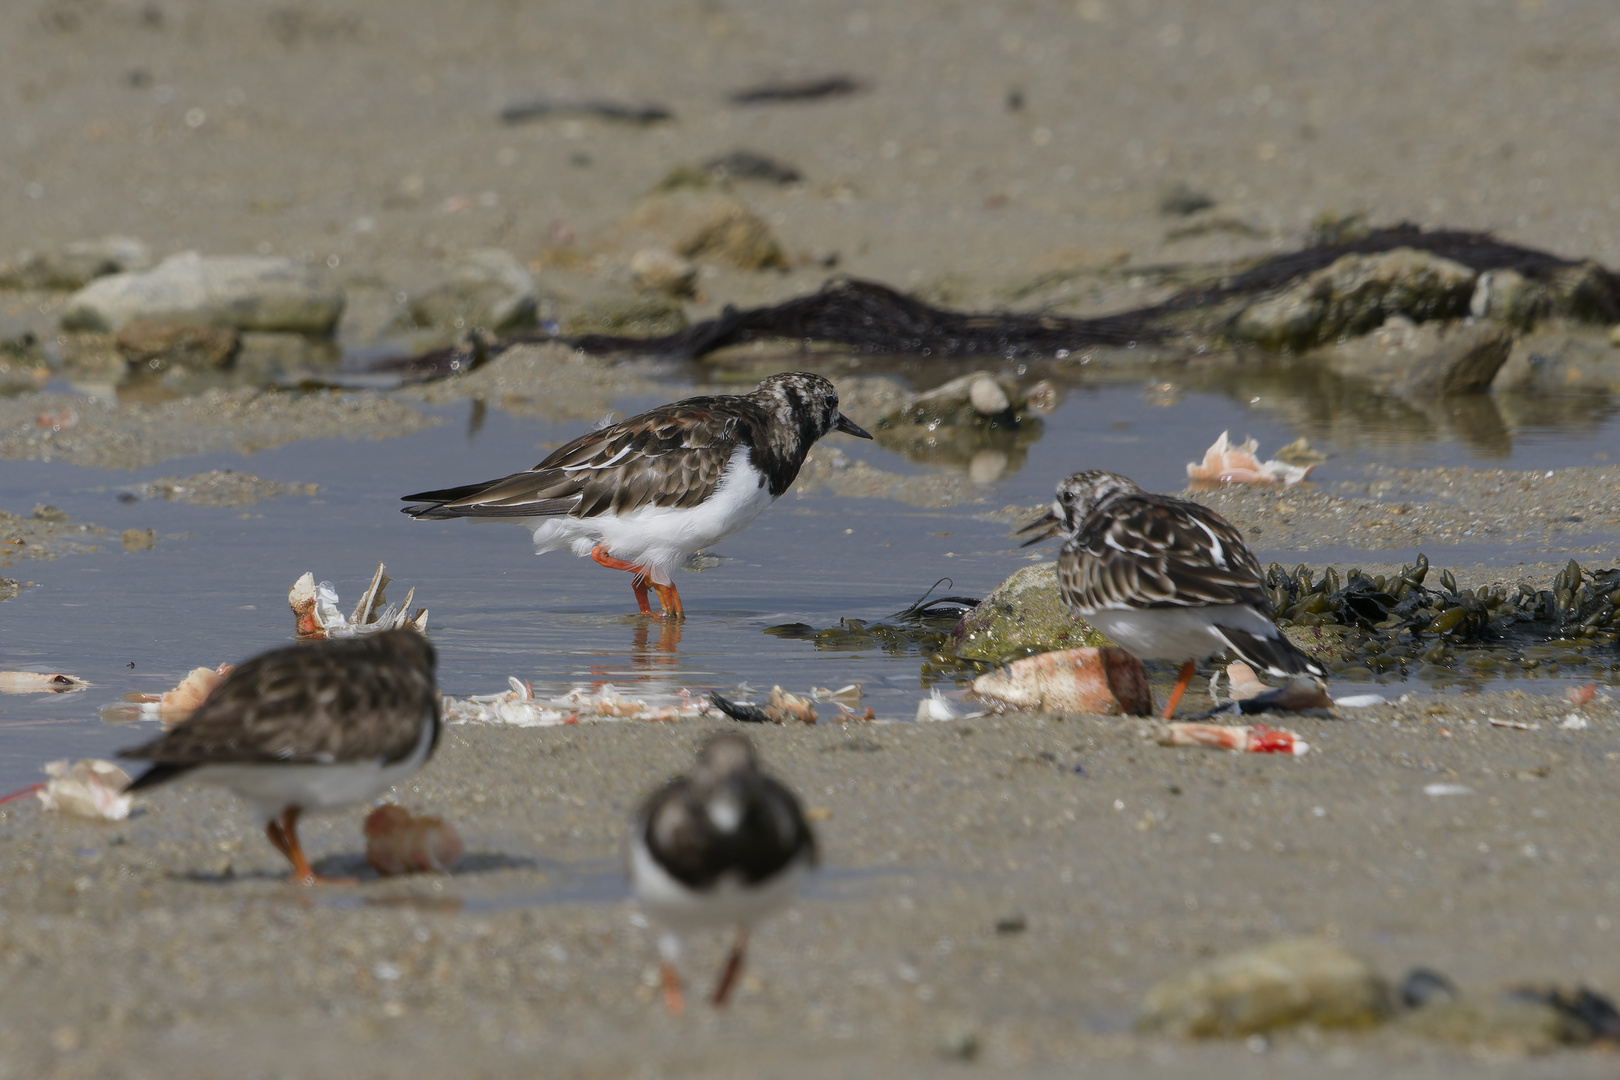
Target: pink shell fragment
{"x":1258,"y":739}
{"x":1227,"y":464}
{"x":1105,"y":680}
{"x":398,"y":842}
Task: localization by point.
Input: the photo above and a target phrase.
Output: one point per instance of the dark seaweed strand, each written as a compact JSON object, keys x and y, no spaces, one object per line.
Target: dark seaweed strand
{"x":875,"y":318}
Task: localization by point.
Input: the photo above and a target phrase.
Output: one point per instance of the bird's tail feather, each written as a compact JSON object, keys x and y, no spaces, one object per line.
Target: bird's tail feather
{"x":1277,"y":655}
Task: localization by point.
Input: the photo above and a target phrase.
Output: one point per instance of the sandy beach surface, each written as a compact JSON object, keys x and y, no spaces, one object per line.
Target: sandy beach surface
{"x":998,"y":893}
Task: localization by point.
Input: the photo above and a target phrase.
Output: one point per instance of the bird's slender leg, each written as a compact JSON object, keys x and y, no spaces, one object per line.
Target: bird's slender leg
{"x":637,"y":583}
{"x":284,"y":835}
{"x":733,"y":968}
{"x":669,"y":951}
{"x":669,"y":600}
{"x":1181,"y":688}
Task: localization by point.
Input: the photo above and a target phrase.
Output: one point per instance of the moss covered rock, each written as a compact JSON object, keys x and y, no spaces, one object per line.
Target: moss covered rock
{"x":1023,"y":615}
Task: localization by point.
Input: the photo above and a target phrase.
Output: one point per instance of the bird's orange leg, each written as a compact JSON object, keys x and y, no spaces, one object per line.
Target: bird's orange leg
{"x":674,"y":999}
{"x":733,"y":968}
{"x":1181,"y":688}
{"x":669,"y":600}
{"x":638,"y":583}
{"x":284,"y":835}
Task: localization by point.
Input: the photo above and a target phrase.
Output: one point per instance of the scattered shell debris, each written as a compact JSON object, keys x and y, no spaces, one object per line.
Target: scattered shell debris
{"x":1094,"y":679}
{"x":939,"y":706}
{"x":88,"y":788}
{"x":39,"y":682}
{"x":519,"y":707}
{"x":781,"y":708}
{"x":317,"y":616}
{"x":399,"y":842}
{"x":174,"y":706}
{"x":1225,"y":463}
{"x":1258,"y":739}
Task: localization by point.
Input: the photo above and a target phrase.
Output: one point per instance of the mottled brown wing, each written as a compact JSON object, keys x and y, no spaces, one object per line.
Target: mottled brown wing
{"x":672,"y":456}
{"x":1145,"y":551}
{"x":321,"y":703}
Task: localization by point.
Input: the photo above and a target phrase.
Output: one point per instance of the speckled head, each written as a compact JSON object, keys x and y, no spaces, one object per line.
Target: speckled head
{"x":806,"y":405}
{"x":1077,"y":496}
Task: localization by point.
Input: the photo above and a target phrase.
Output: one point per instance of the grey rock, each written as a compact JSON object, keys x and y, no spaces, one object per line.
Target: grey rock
{"x":152,"y":345}
{"x":1587,"y":292}
{"x":661,"y":270}
{"x":1288,"y":982}
{"x":647,"y":315}
{"x":75,"y":265}
{"x":1508,"y":1025}
{"x":1510,"y":298}
{"x":267,"y":359}
{"x":1561,"y":358}
{"x":1023,"y":615}
{"x":706,"y":226}
{"x":1179,"y":200}
{"x":486,"y":288}
{"x":248,"y":292}
{"x":1428,"y":360}
{"x":976,"y":422}
{"x":1357,"y":293}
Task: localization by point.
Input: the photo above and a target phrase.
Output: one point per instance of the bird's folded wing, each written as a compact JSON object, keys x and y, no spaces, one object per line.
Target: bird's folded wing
{"x":318,"y":710}
{"x":1159,"y":552}
{"x":671,"y":457}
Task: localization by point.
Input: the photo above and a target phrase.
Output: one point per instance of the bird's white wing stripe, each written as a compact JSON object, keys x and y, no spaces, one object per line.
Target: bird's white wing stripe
{"x":1217,"y":553}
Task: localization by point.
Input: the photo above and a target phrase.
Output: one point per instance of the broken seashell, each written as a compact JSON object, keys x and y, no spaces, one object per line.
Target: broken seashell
{"x":1258,"y":739}
{"x":316,"y":614}
{"x":784,"y":707}
{"x":936,"y":706}
{"x":38,"y":682}
{"x":1575,"y":695}
{"x":88,"y":788}
{"x":398,"y":842}
{"x":174,"y":706}
{"x":520,"y":707}
{"x":1106,"y":680}
{"x":844,"y":695}
{"x":1227,"y":464}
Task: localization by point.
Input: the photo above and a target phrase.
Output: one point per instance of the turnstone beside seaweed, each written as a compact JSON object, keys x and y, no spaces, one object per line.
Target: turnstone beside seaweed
{"x":724,"y":845}
{"x":1164,"y":578}
{"x":645,"y":493}
{"x":307,"y":728}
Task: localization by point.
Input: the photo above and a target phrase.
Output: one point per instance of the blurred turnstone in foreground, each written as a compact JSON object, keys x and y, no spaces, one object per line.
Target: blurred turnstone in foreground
{"x":1164,"y":578}
{"x":308,"y":727}
{"x":645,"y":493}
{"x":723,"y":846}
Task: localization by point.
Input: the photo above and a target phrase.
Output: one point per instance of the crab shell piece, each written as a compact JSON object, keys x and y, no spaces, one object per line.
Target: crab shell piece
{"x":398,"y":842}
{"x":1106,"y":680}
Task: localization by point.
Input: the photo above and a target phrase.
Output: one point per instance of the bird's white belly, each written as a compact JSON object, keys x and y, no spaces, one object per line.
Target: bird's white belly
{"x":1166,"y":633}
{"x":273,"y":787}
{"x":728,"y":903}
{"x":661,"y":537}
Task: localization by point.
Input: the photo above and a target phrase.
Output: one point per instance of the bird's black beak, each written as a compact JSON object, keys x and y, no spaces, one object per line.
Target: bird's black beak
{"x":1050,"y":525}
{"x":850,"y":427}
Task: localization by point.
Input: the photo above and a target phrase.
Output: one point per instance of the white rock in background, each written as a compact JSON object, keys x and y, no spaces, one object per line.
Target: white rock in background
{"x":75,"y":265}
{"x":249,"y":292}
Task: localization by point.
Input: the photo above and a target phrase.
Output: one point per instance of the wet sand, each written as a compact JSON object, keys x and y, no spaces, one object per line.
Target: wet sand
{"x":365,"y":138}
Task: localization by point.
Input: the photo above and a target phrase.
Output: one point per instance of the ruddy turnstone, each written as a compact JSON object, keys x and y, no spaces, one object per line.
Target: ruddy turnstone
{"x":306,"y":728}
{"x":724,"y":845}
{"x":645,"y":493}
{"x":1164,"y":578}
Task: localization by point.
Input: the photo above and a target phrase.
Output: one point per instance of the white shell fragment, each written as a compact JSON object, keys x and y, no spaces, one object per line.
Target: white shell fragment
{"x":317,"y":616}
{"x":1437,"y":790}
{"x":88,"y":788}
{"x":1227,"y":464}
{"x":38,"y":682}
{"x":519,"y":706}
{"x":936,"y":706}
{"x":1359,"y":701}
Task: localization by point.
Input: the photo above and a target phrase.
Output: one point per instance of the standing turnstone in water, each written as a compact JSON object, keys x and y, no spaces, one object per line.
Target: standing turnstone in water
{"x":308,"y":727}
{"x":647,"y":492}
{"x":1164,"y":578}
{"x":724,"y":845}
